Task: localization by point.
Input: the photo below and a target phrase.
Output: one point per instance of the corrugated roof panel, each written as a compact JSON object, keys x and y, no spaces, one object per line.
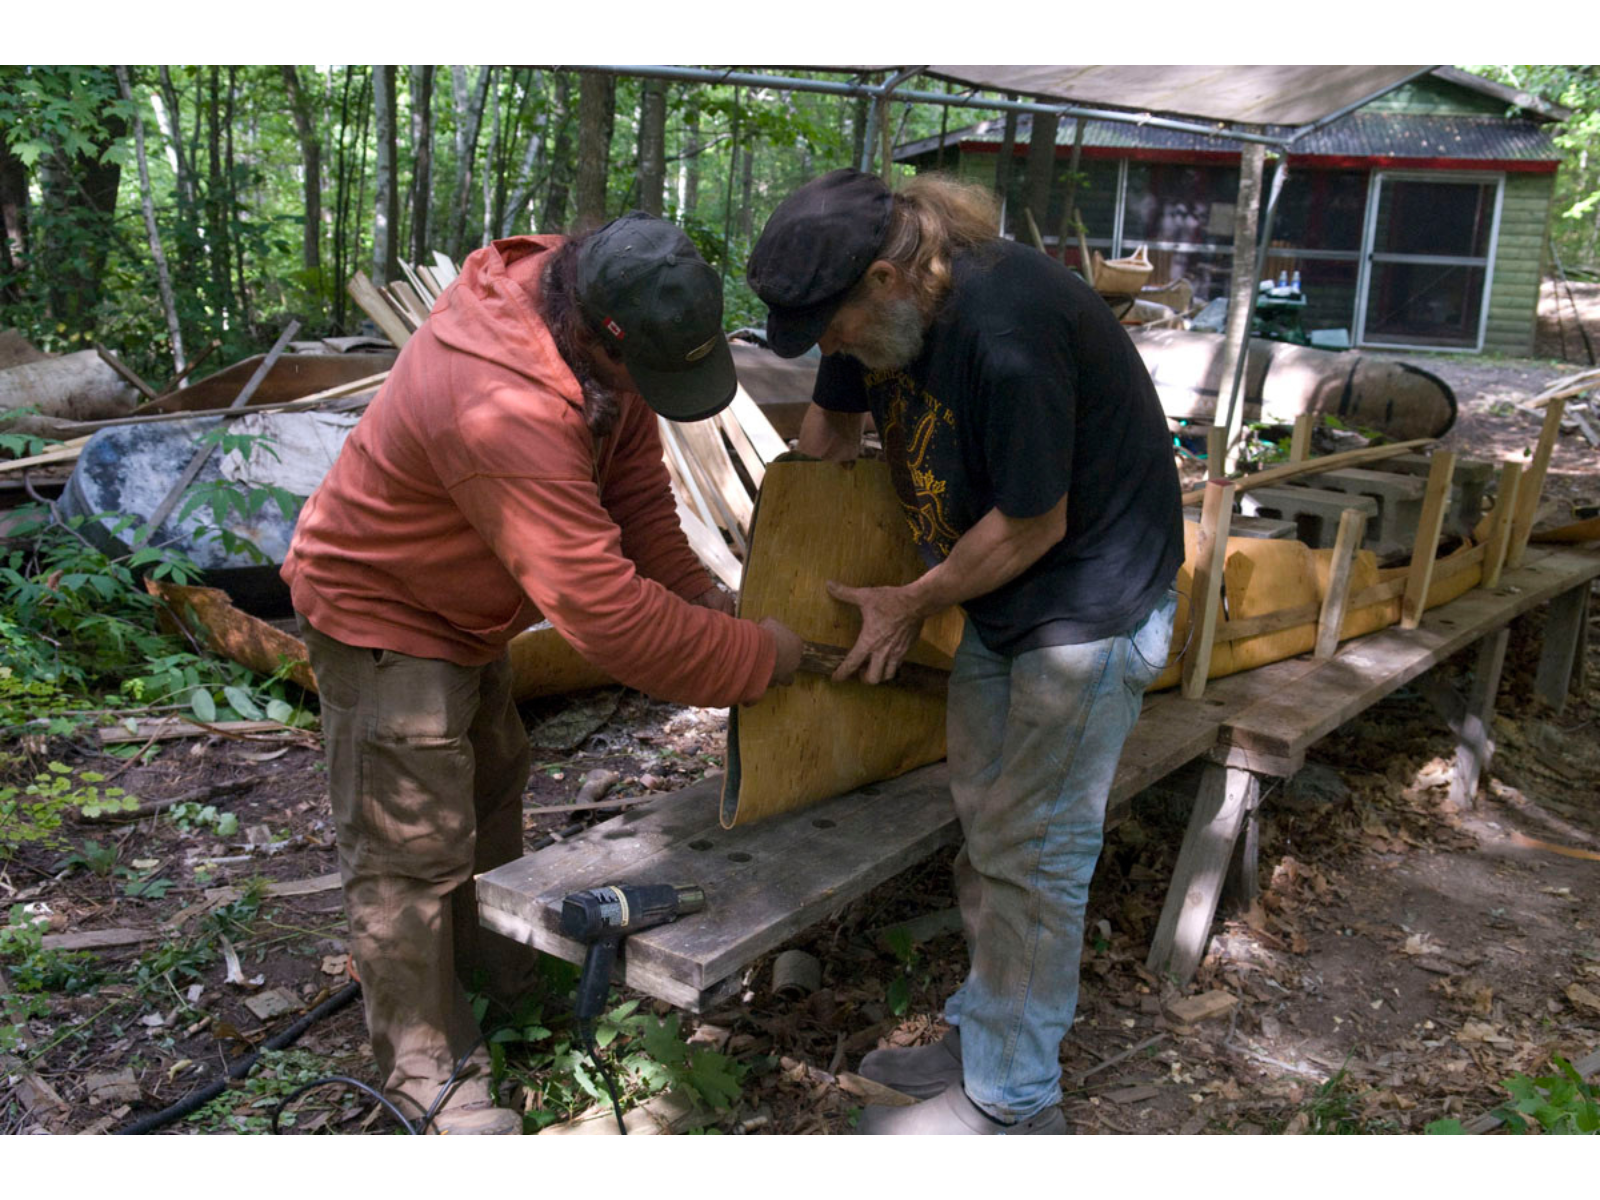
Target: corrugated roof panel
{"x":1360,"y":135}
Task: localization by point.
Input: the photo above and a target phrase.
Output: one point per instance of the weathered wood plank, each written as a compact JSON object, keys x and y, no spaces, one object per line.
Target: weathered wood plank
{"x":1425,"y":550}
{"x":1352,"y":529}
{"x":1531,"y":489}
{"x":1505,"y":510}
{"x":1205,"y":605}
{"x":1225,"y":799}
{"x":1569,"y":614}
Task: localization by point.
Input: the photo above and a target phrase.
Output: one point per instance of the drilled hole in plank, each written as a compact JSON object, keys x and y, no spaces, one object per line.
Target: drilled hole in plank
{"x":738,"y":856}
{"x":702,"y":844}
{"x":822,"y":823}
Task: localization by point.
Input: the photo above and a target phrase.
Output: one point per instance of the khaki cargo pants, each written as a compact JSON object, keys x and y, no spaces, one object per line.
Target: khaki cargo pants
{"x":427,"y":762}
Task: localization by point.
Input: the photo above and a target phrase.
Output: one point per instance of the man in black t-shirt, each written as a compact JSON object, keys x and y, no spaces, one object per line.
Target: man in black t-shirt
{"x":1032,"y":461}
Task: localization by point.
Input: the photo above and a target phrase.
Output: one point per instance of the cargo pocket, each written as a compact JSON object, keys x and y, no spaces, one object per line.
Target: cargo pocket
{"x":415,"y":815}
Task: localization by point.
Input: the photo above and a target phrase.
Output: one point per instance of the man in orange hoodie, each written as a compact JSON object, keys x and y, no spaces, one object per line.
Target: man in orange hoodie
{"x":508,"y":469}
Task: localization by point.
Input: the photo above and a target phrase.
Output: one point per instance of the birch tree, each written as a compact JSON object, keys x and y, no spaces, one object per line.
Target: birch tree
{"x":169,"y":305}
{"x":469,"y":117}
{"x":386,"y":196}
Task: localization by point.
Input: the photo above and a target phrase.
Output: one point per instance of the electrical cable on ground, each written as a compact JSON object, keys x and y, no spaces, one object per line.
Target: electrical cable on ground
{"x":204,"y":1095}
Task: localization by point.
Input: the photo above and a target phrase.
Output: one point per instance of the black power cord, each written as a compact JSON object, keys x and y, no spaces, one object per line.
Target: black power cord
{"x":587,"y":1033}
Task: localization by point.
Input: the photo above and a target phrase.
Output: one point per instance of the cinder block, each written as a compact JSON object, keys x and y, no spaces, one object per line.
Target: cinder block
{"x":1468,"y":486}
{"x":1250,"y":527}
{"x":1315,"y":512}
{"x":1399,"y":501}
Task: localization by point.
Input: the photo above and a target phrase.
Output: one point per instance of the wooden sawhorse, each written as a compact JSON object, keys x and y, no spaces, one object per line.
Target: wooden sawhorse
{"x":1278,"y":711}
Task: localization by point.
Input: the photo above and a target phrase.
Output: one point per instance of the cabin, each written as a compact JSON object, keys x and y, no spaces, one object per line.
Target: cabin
{"x":1417,"y":222}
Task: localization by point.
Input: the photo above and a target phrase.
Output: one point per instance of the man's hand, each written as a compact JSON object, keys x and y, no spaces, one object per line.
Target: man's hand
{"x":790,"y":648}
{"x":890,"y":622}
{"x":715,"y":598}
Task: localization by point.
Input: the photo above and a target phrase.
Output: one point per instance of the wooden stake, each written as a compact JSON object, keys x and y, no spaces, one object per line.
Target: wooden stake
{"x":1352,"y":528}
{"x":128,"y":374}
{"x":1300,"y":443}
{"x":1531,"y":489}
{"x":1205,"y":603}
{"x":1216,"y":452}
{"x":1315,"y":466}
{"x":1494,"y":559}
{"x":1426,"y":548}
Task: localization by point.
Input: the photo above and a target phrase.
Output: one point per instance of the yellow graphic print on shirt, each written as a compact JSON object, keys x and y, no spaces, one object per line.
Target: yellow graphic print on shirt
{"x":914,"y":421}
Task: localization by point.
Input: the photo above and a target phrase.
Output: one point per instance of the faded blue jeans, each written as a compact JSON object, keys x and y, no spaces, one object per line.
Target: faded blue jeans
{"x":1033,"y":745}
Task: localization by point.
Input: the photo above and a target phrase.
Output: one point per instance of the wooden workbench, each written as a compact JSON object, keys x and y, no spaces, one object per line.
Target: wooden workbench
{"x":768,"y":881}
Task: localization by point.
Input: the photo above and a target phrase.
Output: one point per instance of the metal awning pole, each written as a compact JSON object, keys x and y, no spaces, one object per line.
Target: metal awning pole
{"x":877,"y":111}
{"x":836,"y":88}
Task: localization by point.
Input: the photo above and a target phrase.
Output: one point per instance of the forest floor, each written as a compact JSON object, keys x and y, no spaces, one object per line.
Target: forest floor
{"x":1402,"y":961}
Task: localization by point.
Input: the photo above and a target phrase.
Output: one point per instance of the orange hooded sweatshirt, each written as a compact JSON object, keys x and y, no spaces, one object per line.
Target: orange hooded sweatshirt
{"x":472,"y":499}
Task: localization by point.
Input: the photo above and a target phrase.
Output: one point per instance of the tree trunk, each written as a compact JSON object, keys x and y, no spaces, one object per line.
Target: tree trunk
{"x":652,"y":174}
{"x":79,"y":194}
{"x":13,"y":218}
{"x":422,"y":164}
{"x":489,"y":159}
{"x":689,"y":200}
{"x":386,"y":196}
{"x":221,"y":290}
{"x":169,"y":304}
{"x":554,"y":217}
{"x":1041,"y":167}
{"x":747,"y":175}
{"x":597,"y":101}
{"x":341,"y":204}
{"x":469,"y":120}
{"x":363,"y":127}
{"x":533,"y":154}
{"x":1240,"y":293}
{"x":858,"y":130}
{"x":246,"y":306}
{"x":311,"y":155}
{"x":1069,"y":203}
{"x":1003,"y":165}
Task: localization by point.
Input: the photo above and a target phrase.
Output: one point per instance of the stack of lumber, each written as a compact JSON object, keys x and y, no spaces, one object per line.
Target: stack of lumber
{"x":401,"y":306}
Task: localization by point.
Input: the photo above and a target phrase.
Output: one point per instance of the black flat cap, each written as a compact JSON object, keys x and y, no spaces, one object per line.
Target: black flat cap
{"x":814,"y":249}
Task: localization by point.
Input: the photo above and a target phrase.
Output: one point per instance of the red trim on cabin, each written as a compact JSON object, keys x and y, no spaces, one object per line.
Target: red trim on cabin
{"x":1227,"y":158}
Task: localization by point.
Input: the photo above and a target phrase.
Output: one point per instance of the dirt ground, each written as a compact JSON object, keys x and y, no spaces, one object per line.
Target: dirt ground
{"x":1402,"y":960}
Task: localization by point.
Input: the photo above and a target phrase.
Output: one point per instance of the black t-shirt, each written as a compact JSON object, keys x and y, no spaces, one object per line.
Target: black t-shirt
{"x":1026,"y":389}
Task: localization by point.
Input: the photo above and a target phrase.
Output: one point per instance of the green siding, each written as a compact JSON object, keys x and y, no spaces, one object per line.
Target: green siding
{"x":1435,"y":97}
{"x":1518,"y":264}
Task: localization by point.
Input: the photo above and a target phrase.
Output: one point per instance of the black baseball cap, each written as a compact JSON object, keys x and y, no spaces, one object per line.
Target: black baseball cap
{"x":642,"y":284}
{"x":816,"y":247}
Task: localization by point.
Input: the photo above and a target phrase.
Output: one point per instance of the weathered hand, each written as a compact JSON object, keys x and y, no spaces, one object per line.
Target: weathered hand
{"x":715,"y":598}
{"x":790,"y":648}
{"x":890,"y":622}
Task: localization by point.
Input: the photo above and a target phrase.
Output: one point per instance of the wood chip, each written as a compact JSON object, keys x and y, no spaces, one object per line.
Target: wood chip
{"x":272,"y":1004}
{"x":1191,"y":1010}
{"x":99,"y":939}
{"x":118,"y":1088}
{"x":1132,"y":1095}
{"x":872,"y":1091}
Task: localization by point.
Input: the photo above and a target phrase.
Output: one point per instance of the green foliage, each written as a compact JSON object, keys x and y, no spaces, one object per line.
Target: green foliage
{"x":247,"y":1106}
{"x":1331,"y":1109}
{"x":33,"y":969}
{"x":191,"y":816}
{"x":32,"y":814}
{"x":1561,"y":1103}
{"x":91,"y":856}
{"x":904,"y":950}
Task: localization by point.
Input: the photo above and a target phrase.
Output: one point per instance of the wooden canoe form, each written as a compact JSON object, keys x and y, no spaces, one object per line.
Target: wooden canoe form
{"x":543,"y":663}
{"x":1283,"y":380}
{"x":815,"y":738}
{"x":291,"y":377}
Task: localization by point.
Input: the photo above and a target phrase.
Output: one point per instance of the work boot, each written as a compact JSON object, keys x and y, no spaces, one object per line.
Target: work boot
{"x":919,"y":1071}
{"x":481,"y":1118}
{"x":951,"y":1112}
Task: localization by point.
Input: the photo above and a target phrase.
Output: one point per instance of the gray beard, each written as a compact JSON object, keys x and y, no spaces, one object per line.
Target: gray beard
{"x":895,"y":338}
